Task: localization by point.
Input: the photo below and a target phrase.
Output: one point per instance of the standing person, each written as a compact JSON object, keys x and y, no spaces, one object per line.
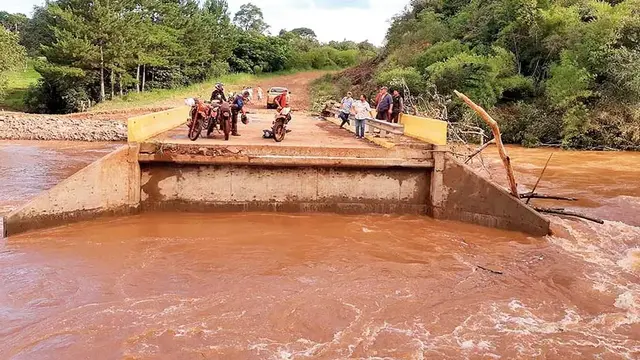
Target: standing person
{"x":362,"y":111}
{"x":260,"y":93}
{"x":218,"y":93}
{"x":237,"y":106}
{"x":385,"y":105}
{"x":282,"y":100}
{"x":397,"y":107}
{"x":378,"y":96}
{"x":345,"y":109}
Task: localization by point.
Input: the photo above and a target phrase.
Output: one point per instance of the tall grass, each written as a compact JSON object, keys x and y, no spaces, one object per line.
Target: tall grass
{"x":173,"y":97}
{"x":17,"y":84}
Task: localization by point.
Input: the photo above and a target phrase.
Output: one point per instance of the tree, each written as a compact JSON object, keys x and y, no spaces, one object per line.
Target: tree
{"x":13,"y":22}
{"x":11,"y":56}
{"x":250,"y":18}
{"x":306,"y":33}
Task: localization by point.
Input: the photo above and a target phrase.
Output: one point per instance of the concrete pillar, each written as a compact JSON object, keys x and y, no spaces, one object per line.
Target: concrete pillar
{"x":135,"y":177}
{"x":437,"y":182}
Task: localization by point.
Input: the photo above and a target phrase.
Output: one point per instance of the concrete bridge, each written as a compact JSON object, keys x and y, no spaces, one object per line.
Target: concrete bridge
{"x":317,"y":168}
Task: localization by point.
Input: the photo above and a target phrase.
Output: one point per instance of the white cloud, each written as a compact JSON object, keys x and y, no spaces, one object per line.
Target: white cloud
{"x":349,"y":23}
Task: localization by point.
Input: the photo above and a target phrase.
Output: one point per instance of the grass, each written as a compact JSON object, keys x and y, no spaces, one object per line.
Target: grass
{"x":17,"y":84}
{"x":173,"y":97}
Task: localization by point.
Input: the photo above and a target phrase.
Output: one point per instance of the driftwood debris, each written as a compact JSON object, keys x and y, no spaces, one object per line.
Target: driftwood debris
{"x":479,"y":150}
{"x":489,"y":270}
{"x":560,"y":211}
{"x":496,"y":135}
{"x":539,"y":178}
{"x":532,"y":195}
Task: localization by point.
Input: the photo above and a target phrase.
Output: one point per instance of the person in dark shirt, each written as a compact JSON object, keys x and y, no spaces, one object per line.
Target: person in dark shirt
{"x":397,"y":107}
{"x":385,"y":105}
{"x":237,"y":106}
{"x":218,"y":93}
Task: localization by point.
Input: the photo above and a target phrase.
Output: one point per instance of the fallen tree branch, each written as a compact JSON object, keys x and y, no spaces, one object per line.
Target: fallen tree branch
{"x":568,"y":213}
{"x":479,"y":150}
{"x":489,"y":270}
{"x":531,"y":195}
{"x":539,"y":178}
{"x":496,"y":135}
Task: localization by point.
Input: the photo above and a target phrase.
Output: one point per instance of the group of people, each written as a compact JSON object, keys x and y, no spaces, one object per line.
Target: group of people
{"x":388,"y":108}
{"x":237,"y":105}
{"x":238,"y":102}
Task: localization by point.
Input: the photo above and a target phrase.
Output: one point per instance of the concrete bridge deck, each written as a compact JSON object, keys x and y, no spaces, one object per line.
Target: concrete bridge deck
{"x":312,"y":141}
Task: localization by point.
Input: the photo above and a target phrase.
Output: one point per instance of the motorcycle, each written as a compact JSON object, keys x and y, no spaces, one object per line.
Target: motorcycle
{"x":279,"y":128}
{"x":209,"y":116}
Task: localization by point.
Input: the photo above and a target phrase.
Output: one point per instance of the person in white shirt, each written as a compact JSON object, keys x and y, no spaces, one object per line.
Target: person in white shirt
{"x":362,"y":112}
{"x":260,"y":93}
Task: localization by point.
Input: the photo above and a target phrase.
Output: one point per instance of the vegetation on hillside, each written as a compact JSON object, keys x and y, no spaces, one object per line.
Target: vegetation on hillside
{"x":92,"y":50}
{"x":12,"y":57}
{"x":560,"y":72}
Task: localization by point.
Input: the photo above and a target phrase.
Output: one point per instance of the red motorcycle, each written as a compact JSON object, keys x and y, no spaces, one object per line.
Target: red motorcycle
{"x":209,"y":116}
{"x":279,"y":127}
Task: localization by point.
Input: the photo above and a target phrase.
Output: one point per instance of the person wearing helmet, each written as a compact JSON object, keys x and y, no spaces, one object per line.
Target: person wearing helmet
{"x":218,"y":93}
{"x":237,"y":106}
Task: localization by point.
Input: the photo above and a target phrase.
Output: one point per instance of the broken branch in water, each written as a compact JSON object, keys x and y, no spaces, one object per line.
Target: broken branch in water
{"x":479,"y":150}
{"x":543,"y":196}
{"x":539,"y":178}
{"x":569,"y":213}
{"x":496,"y":135}
{"x":489,"y":270}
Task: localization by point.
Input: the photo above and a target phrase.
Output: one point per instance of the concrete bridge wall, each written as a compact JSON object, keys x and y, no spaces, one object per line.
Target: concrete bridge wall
{"x":108,"y":186}
{"x":260,"y":188}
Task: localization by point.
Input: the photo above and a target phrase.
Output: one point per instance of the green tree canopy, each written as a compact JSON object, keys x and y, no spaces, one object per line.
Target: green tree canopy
{"x":250,"y":18}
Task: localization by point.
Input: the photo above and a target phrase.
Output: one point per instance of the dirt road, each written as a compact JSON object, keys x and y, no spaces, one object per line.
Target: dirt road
{"x":298,"y":84}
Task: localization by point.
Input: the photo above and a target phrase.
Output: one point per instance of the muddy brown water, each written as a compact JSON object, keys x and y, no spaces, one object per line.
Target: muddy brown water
{"x":277,"y":286}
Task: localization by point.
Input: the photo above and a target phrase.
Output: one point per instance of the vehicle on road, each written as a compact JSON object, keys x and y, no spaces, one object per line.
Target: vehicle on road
{"x":279,"y":128}
{"x":272,"y":94}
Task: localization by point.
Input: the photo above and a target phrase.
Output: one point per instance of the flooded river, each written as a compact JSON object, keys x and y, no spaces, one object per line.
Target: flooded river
{"x":267,"y":286}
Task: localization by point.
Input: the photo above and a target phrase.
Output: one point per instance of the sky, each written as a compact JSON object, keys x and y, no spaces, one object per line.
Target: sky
{"x":356,"y":20}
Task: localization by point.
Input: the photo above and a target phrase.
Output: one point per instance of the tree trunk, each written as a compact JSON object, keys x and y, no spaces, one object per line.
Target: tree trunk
{"x":113,"y":84}
{"x":102,"y":92}
{"x":138,"y":79}
{"x":496,"y":135}
{"x":120,"y":83}
{"x":144,"y":75}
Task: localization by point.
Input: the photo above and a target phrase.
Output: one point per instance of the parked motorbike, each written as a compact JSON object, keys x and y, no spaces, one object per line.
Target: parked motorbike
{"x":209,"y":116}
{"x":279,"y":128}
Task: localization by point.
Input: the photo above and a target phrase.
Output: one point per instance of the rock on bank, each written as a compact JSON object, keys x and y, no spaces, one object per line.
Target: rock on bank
{"x":19,"y":126}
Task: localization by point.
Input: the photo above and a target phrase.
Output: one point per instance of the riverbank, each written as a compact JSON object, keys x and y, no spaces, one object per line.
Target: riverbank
{"x":21,"y":126}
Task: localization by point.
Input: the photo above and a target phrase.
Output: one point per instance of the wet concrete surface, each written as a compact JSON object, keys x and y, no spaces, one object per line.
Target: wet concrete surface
{"x":306,"y":130}
{"x":29,"y":167}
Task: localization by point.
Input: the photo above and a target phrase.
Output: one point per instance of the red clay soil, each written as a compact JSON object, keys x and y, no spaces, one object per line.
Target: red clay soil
{"x":298,"y":85}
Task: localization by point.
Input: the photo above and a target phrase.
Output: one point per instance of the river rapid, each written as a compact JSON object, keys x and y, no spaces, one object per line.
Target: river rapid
{"x":324,"y":286}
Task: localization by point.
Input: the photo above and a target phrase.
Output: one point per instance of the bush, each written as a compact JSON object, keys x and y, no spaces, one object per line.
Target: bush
{"x":396,"y":77}
{"x":569,"y":84}
{"x":440,"y":52}
{"x":61,"y":90}
{"x":529,"y":125}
